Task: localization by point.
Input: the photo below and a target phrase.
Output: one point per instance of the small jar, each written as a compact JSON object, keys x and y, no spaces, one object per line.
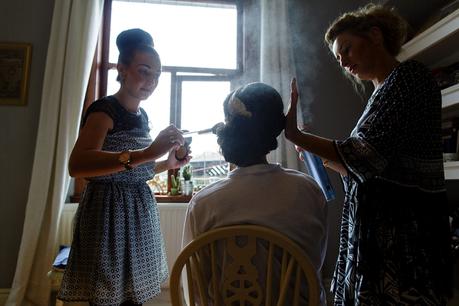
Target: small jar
{"x":188,"y":188}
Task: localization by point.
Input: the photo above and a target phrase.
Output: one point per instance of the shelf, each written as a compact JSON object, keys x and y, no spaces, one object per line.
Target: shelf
{"x":450,"y":96}
{"x":436,"y":47}
{"x":434,"y":35}
{"x":451,"y":170}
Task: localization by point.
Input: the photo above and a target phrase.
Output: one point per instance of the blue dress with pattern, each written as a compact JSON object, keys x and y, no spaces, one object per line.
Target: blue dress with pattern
{"x":395,"y":239}
{"x":117,"y":251}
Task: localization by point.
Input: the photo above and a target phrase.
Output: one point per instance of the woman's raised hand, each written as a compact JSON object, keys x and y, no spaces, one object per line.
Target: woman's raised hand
{"x":291,"y":126}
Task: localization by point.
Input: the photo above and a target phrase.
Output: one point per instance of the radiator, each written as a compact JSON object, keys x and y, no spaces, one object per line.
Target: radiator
{"x":66,"y":224}
{"x":172,"y":217}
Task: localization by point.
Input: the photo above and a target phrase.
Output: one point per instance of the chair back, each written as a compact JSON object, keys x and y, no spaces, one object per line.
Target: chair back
{"x":244,"y":265}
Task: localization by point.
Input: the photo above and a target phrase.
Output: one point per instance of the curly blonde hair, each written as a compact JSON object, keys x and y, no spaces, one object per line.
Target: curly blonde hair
{"x":359,"y":22}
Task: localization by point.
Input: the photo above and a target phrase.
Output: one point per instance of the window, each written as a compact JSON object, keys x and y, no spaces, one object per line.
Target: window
{"x":199,"y":43}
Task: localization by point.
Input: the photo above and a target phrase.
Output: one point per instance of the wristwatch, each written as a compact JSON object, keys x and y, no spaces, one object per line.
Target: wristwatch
{"x":125,"y":159}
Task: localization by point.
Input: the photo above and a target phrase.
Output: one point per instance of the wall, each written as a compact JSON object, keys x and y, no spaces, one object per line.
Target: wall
{"x":26,"y":21}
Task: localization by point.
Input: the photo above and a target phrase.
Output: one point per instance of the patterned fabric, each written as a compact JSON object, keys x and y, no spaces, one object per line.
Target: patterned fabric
{"x":117,"y":250}
{"x":394,"y":241}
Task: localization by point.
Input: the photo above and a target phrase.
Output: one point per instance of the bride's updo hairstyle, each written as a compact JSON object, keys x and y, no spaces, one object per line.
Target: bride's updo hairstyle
{"x":254,"y":117}
{"x":131,"y":41}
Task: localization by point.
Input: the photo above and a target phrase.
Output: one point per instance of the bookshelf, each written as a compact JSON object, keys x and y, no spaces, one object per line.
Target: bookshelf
{"x":438,"y":46}
{"x":429,"y":45}
{"x":450,"y":96}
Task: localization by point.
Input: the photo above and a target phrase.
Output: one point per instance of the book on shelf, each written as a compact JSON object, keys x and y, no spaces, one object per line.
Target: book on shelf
{"x":450,"y":135}
{"x":446,"y":76}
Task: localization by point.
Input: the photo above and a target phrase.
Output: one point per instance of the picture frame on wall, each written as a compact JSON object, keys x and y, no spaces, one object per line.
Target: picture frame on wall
{"x":14,"y":73}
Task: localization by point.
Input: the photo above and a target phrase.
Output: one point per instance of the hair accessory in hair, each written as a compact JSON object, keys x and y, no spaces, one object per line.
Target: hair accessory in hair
{"x":237,"y":108}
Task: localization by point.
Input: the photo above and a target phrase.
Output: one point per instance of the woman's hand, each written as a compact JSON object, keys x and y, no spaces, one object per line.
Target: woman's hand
{"x":167,"y":139}
{"x":291,"y":127}
{"x":173,"y":163}
{"x":300,"y":151}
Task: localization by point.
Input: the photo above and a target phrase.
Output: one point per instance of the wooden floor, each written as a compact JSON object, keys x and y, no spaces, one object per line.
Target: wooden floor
{"x":162,"y":300}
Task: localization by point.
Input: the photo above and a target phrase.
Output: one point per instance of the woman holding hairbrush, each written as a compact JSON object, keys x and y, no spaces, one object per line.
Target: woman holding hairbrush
{"x":117,"y":255}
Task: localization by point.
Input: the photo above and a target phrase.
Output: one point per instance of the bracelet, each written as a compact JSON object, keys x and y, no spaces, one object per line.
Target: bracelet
{"x":125,"y":159}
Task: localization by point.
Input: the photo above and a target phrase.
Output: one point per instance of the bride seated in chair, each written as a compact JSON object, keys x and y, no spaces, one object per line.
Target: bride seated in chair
{"x":257,"y":192}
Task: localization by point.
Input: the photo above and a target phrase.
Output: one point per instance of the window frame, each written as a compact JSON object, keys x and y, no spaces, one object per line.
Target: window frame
{"x":212,"y":72}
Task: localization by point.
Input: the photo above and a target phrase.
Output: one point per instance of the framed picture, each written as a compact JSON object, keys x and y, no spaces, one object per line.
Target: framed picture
{"x":14,"y":73}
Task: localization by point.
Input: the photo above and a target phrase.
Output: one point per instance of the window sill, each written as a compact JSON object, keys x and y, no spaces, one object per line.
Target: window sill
{"x":172,"y":199}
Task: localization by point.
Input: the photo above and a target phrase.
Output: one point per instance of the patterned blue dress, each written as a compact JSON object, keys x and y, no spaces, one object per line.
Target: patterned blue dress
{"x":395,"y":239}
{"x":117,"y":251}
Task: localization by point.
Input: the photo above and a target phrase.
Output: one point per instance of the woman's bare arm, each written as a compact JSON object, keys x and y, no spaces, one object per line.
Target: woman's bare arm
{"x":88,"y":160}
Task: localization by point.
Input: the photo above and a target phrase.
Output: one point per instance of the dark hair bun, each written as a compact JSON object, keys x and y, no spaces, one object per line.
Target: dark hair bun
{"x":266,"y":106}
{"x":250,"y":134}
{"x":132,"y":38}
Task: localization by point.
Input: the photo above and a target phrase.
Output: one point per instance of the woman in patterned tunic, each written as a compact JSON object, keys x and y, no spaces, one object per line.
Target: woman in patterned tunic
{"x":117,"y":254}
{"x":395,"y":238}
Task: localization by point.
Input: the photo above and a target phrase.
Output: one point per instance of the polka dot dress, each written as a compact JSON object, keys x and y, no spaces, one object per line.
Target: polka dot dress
{"x":117,"y":250}
{"x":394,"y":240}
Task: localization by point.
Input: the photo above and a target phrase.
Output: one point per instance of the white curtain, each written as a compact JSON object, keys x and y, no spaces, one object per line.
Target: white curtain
{"x":73,"y":38}
{"x":277,"y":67}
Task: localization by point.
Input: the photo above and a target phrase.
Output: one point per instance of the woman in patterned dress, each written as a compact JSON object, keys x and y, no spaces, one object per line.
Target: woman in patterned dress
{"x":395,"y":239}
{"x":117,"y":254}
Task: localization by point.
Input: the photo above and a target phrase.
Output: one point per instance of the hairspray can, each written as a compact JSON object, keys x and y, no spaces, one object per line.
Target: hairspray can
{"x":316,"y":169}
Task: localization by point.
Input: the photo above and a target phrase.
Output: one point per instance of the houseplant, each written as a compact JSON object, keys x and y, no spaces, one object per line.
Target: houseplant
{"x":175,"y":184}
{"x":187,"y":184}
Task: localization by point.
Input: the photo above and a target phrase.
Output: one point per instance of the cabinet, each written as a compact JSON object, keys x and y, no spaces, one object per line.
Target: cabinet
{"x":438,"y":46}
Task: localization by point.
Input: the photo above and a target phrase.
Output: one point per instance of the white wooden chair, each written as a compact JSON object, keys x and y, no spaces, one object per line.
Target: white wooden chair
{"x":244,"y":265}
